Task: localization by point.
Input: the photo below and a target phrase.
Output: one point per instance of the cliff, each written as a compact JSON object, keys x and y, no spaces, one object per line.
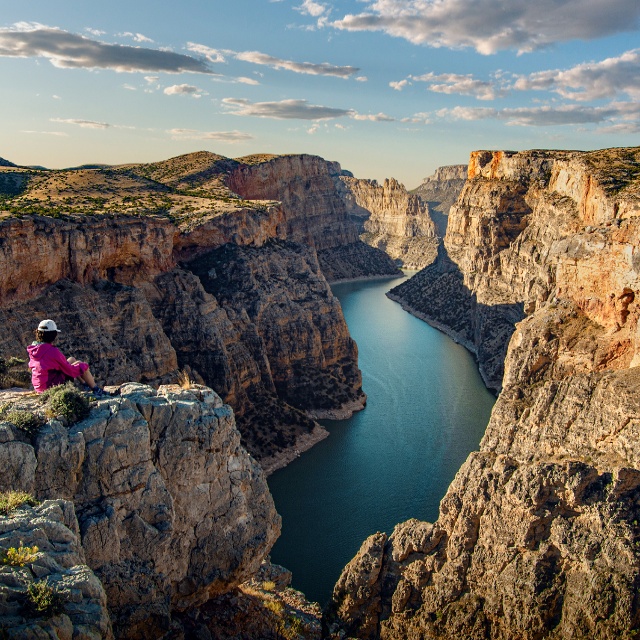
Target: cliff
{"x":392,"y":220}
{"x":171,"y":510}
{"x":538,"y":534}
{"x":122,"y":258}
{"x":441,"y":190}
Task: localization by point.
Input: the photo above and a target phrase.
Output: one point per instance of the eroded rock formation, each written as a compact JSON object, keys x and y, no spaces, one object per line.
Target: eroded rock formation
{"x":128,"y":287}
{"x":538,"y":534}
{"x":59,"y":565}
{"x":171,"y":509}
{"x":392,"y":220}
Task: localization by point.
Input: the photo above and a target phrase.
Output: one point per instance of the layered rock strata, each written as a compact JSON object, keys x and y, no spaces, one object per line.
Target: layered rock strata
{"x":171,"y":509}
{"x":317,"y":214}
{"x":58,"y":565}
{"x":392,"y":220}
{"x":538,"y":534}
{"x":127,"y":288}
{"x":441,"y":190}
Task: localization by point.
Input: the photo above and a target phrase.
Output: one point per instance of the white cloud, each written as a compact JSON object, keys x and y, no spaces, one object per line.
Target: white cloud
{"x":400,"y":85}
{"x":283,"y":110}
{"x":590,"y":80}
{"x":212,"y":55}
{"x":72,"y":51}
{"x":48,"y":133}
{"x":311,"y":68}
{"x":314,"y":128}
{"x":221,"y":136}
{"x":493,"y":25}
{"x":377,"y":117}
{"x":85,"y":124}
{"x":95,"y":32}
{"x":362,"y":79}
{"x":311,"y":8}
{"x":627,"y":112}
{"x":184,"y":90}
{"x":129,"y":87}
{"x":418,"y":118}
{"x":138,"y":37}
{"x":243,"y":80}
{"x":453,"y":83}
{"x":264,"y":59}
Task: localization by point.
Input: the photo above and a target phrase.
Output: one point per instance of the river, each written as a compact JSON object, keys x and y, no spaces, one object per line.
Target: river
{"x":427,"y":409}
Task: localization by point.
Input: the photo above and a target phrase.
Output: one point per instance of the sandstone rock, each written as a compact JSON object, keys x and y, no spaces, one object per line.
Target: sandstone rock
{"x":60,"y":563}
{"x":538,"y":534}
{"x":171,"y":509}
{"x":392,"y":219}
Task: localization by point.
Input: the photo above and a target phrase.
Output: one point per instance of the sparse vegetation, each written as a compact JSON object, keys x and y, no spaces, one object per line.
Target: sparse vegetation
{"x":19,"y":556}
{"x":184,"y":379}
{"x":65,"y":401}
{"x":43,"y":600}
{"x":11,"y":500}
{"x":25,"y":420}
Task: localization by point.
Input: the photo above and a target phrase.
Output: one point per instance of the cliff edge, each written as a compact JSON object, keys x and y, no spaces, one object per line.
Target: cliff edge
{"x":171,"y":510}
{"x":538,"y":534}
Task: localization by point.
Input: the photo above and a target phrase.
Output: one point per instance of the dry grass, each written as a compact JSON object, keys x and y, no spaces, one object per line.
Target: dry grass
{"x":11,"y":500}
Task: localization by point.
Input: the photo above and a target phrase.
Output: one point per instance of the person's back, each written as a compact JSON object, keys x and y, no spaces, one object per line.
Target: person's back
{"x":49,"y":367}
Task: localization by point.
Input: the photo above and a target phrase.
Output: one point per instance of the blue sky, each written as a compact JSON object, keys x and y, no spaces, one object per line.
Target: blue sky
{"x":386,"y":88}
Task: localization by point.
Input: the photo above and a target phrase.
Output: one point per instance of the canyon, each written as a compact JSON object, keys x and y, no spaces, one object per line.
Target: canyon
{"x":219,"y":268}
{"x":538,"y":534}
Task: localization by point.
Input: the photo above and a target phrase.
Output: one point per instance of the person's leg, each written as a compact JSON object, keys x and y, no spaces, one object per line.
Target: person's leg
{"x":86,"y":377}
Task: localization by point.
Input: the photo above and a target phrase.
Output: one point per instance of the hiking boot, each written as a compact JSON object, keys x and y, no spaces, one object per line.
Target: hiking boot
{"x":99,"y":392}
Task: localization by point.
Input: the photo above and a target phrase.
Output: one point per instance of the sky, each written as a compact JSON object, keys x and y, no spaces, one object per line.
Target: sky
{"x":388,"y":88}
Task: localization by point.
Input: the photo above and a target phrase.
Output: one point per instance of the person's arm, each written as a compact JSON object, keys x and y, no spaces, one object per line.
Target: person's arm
{"x":73,"y":370}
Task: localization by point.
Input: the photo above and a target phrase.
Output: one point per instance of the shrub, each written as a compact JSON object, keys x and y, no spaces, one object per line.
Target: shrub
{"x":20,"y":556}
{"x":43,"y":600}
{"x":25,"y":420}
{"x":10,"y":500}
{"x":67,"y":402}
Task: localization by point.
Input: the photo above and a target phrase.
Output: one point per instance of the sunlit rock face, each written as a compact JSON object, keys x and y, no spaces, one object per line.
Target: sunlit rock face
{"x":171,"y":508}
{"x":392,"y":220}
{"x":538,"y":534}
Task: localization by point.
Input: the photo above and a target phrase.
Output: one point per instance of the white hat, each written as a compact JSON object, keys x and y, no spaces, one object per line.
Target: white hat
{"x":48,"y":325}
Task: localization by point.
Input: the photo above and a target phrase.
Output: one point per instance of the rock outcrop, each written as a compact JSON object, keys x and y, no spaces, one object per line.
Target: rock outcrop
{"x":58,"y":568}
{"x":392,"y":220}
{"x":538,"y":534}
{"x":171,"y":509}
{"x":126,"y":283}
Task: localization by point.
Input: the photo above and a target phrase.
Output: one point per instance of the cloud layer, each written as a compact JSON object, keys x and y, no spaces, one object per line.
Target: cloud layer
{"x":71,"y":51}
{"x":283,"y":110}
{"x":489,"y":26}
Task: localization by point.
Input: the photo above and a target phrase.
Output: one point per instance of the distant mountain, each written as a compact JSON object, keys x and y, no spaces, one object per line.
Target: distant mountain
{"x":6,"y":163}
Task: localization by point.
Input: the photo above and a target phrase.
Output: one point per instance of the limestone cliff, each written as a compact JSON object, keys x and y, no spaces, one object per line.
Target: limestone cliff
{"x":392,"y":220}
{"x":316,"y":213}
{"x":538,"y":534}
{"x":171,"y":509}
{"x":58,"y":565}
{"x":126,"y":282}
{"x":441,"y":190}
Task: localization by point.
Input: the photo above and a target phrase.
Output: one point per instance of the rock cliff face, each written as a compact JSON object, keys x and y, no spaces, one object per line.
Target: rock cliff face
{"x":538,"y":534}
{"x":392,"y":219}
{"x":128,"y":287}
{"x":441,"y":190}
{"x":171,"y":509}
{"x":60,"y":564}
{"x":315,"y":212}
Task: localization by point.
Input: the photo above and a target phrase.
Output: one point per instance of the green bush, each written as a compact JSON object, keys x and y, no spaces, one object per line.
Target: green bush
{"x":14,"y":373}
{"x":19,"y":556}
{"x":67,"y":402}
{"x":43,"y":601}
{"x":10,"y":500}
{"x":25,"y":420}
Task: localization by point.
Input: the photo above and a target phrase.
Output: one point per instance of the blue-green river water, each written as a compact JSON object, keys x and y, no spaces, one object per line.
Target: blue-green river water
{"x":427,"y":408}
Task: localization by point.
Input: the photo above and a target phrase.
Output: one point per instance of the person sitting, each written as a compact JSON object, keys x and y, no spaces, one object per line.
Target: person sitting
{"x":49,"y":367}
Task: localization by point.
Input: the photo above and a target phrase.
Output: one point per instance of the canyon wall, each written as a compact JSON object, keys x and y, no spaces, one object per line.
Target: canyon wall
{"x":316,"y":213}
{"x":538,"y":534}
{"x":171,"y":510}
{"x":392,"y":220}
{"x":135,"y":294}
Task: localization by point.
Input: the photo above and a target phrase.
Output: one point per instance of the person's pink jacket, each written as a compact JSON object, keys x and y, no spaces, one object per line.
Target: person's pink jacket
{"x":49,"y":366}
